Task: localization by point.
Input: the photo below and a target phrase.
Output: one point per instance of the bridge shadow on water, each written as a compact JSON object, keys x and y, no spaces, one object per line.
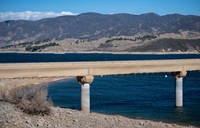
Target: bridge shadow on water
{"x":141,"y":96}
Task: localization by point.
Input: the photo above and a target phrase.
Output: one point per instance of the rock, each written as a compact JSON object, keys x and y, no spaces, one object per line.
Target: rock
{"x":68,"y":112}
{"x":62,"y":118}
{"x":48,"y":125}
{"x":15,"y":123}
{"x":141,"y":123}
{"x":10,"y":120}
{"x":40,"y":122}
{"x":75,"y":120}
{"x":30,"y":125}
{"x":56,"y":115}
{"x":28,"y":121}
{"x":57,"y":126}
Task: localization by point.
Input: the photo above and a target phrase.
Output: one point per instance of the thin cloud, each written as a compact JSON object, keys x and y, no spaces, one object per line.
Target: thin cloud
{"x":29,"y":15}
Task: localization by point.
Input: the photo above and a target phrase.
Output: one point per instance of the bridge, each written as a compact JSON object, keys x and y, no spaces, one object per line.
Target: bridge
{"x":85,"y":72}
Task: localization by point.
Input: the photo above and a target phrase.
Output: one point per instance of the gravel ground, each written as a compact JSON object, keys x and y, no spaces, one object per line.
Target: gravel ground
{"x":12,"y":117}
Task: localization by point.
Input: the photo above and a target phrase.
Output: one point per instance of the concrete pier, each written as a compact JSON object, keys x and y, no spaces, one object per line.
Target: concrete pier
{"x":85,"y":98}
{"x":85,"y":81}
{"x":179,"y":92}
{"x":179,"y":87}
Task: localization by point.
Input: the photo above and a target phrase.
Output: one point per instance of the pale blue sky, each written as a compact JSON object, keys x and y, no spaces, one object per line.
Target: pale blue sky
{"x":161,"y":7}
{"x":39,"y":9}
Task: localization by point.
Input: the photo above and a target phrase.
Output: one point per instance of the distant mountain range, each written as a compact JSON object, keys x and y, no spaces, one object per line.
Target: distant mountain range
{"x":94,"y":26}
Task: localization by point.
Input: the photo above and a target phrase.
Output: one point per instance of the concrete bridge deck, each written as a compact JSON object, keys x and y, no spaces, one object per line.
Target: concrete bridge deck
{"x":85,"y":72}
{"x":73,"y":69}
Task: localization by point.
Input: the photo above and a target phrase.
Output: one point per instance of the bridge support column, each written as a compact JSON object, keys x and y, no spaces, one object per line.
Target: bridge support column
{"x":85,"y":81}
{"x":179,"y":87}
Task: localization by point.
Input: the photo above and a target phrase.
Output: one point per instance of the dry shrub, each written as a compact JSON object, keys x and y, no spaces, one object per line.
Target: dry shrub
{"x":32,"y":100}
{"x":4,"y":90}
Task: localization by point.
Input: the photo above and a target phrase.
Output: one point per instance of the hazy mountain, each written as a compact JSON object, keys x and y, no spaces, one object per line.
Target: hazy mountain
{"x":95,"y":26}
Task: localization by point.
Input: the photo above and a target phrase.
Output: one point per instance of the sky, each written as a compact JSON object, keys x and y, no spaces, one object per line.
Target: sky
{"x":38,"y":9}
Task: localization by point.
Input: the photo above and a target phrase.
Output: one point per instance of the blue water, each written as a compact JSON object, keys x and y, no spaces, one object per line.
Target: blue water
{"x":73,"y":57}
{"x":142,"y":96}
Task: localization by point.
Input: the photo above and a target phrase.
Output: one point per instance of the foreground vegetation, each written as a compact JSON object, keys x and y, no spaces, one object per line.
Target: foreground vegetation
{"x":31,"y":100}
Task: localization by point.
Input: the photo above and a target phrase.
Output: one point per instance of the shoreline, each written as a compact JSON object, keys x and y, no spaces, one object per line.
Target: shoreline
{"x":99,"y":52}
{"x":68,"y":118}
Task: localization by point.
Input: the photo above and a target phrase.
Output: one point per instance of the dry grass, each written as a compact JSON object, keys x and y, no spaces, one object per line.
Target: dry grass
{"x":31,"y":100}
